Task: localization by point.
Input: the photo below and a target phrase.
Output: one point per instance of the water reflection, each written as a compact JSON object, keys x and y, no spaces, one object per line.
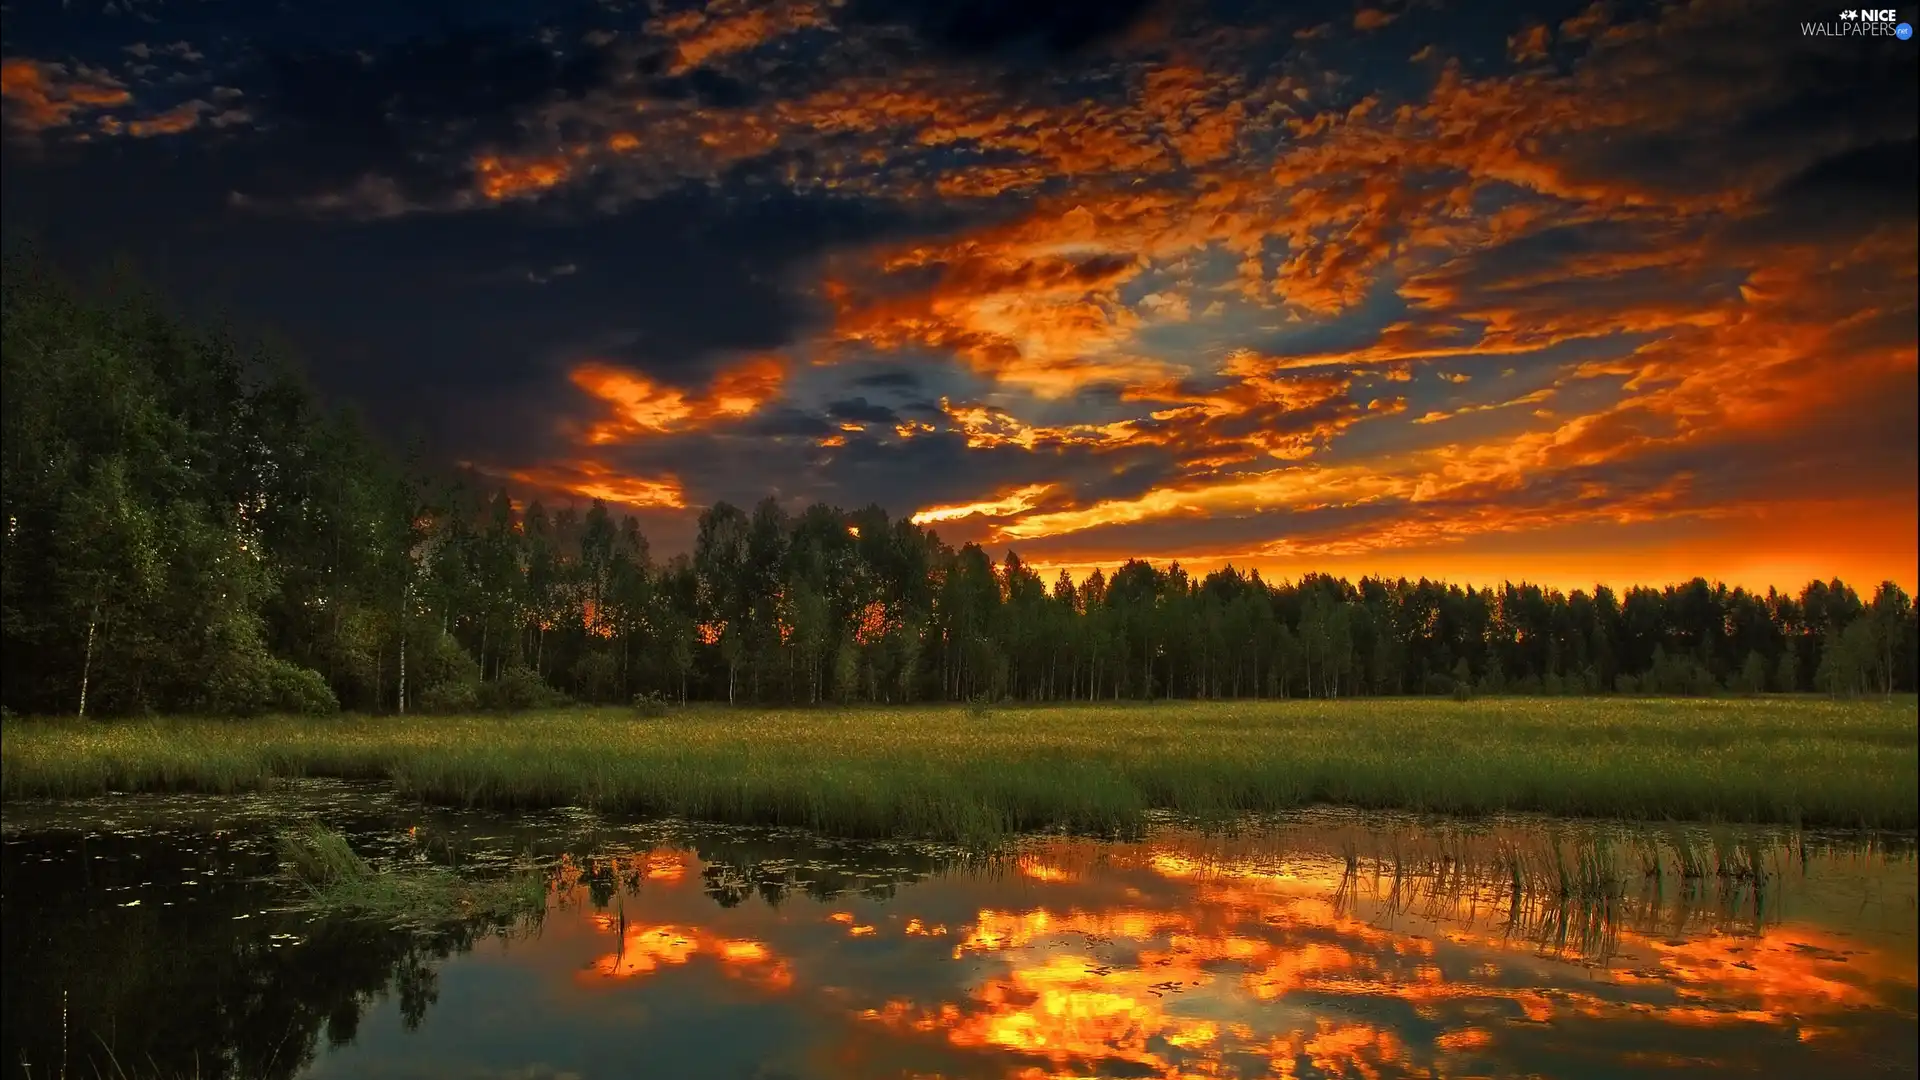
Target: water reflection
{"x":140,"y":955}
{"x":1323,"y":946}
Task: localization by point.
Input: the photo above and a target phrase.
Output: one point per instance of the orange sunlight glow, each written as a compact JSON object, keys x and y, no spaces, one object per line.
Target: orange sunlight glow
{"x":646,"y":950}
{"x":1178,"y":956}
{"x":642,"y":407}
{"x":44,"y":96}
{"x":1019,"y":500}
{"x":507,"y":178}
{"x":593,"y":480}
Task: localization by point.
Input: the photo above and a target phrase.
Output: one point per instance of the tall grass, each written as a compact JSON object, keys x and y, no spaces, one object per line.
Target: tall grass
{"x":946,"y":773}
{"x":339,"y":881}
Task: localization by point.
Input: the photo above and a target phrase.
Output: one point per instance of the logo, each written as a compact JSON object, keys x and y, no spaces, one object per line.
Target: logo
{"x":1861,"y":22}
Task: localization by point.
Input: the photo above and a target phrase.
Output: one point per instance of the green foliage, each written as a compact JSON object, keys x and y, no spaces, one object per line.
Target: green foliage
{"x":649,"y":706}
{"x":443,"y":677}
{"x":295,"y":689}
{"x":596,"y":678}
{"x":1463,"y":691}
{"x":1680,"y":676}
{"x":1786,"y":678}
{"x":517,"y":689}
{"x":255,"y":683}
{"x":1851,"y":664}
{"x":449,"y":697}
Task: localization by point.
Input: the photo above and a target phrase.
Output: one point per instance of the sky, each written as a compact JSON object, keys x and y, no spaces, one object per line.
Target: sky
{"x":1568,"y":293}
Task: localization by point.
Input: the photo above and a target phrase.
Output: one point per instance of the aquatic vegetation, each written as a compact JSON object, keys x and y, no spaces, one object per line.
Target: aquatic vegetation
{"x":950,"y":773}
{"x":339,"y":881}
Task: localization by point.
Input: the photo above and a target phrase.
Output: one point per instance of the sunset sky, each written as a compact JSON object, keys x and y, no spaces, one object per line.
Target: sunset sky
{"x":1559,"y":292}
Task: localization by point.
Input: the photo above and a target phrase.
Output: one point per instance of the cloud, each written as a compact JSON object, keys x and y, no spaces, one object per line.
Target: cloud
{"x":1530,"y":45}
{"x":39,"y":95}
{"x":861,"y":411}
{"x":1016,"y":501}
{"x":1434,"y":416}
{"x":1008,"y":28}
{"x":728,"y":27}
{"x":590,"y":479}
{"x":1045,"y":323}
{"x":641,"y":407}
{"x":1372,"y":19}
{"x":1175,"y":274}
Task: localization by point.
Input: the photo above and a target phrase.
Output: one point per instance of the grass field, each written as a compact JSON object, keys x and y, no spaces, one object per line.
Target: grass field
{"x":941,"y":772}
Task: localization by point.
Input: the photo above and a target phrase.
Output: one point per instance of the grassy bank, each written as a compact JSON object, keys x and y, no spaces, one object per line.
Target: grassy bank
{"x":338,"y":881}
{"x":941,"y":772}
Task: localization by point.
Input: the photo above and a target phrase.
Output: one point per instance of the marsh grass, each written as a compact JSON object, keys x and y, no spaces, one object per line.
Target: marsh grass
{"x":972,"y":775}
{"x":338,"y":881}
{"x":1573,"y":896}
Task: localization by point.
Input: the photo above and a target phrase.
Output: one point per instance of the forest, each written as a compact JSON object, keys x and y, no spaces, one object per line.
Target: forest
{"x":189,"y":529}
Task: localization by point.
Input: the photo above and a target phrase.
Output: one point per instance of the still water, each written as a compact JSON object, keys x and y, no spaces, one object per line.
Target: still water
{"x":147,"y":937}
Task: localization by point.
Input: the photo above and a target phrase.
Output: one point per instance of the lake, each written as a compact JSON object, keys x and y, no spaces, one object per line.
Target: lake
{"x":149,"y":936}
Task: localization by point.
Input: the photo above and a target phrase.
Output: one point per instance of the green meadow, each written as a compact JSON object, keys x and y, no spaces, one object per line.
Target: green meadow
{"x":955,"y":773}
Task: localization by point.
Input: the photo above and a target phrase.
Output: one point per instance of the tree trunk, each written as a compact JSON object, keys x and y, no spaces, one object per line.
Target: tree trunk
{"x":403,"y":673}
{"x":86,"y":663}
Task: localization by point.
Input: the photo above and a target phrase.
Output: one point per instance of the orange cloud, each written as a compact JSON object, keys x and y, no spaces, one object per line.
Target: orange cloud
{"x":594,"y":480}
{"x":1586,"y":24}
{"x":42,"y":95}
{"x":1299,"y":487}
{"x":1436,"y":415}
{"x":182,"y":117}
{"x":648,"y":950}
{"x":986,"y":427}
{"x":643,"y":407}
{"x":1530,"y":44}
{"x":508,"y":178}
{"x":1041,"y":322}
{"x":1019,"y":500}
{"x":724,"y":28}
{"x":1127,"y":204}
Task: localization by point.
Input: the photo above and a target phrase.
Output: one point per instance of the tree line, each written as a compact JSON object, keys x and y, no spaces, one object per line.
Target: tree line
{"x":187,"y":528}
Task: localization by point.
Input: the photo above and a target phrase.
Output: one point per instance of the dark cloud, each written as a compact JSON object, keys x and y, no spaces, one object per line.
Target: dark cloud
{"x":1745,"y":98}
{"x":707,"y":87}
{"x":412,"y":113}
{"x":1008,"y":28}
{"x":785,"y":422}
{"x":1876,"y":182}
{"x":1844,"y":195}
{"x":861,"y":411}
{"x":889,"y":380}
{"x":434,"y":307}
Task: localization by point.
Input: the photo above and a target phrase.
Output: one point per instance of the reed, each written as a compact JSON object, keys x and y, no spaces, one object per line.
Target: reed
{"x":336,"y":880}
{"x":939,"y":772}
